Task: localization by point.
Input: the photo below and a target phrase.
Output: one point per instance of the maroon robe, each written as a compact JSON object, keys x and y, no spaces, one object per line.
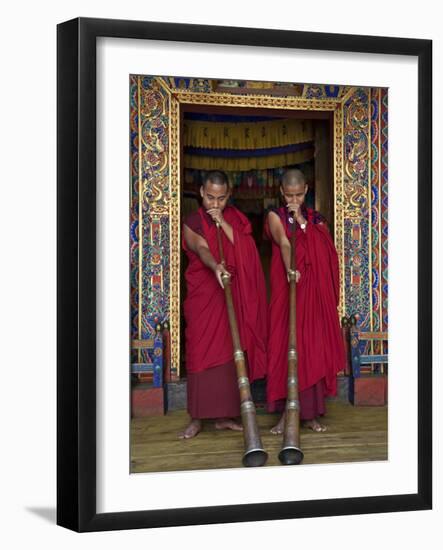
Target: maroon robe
{"x":212,"y":381}
{"x":319,"y":341}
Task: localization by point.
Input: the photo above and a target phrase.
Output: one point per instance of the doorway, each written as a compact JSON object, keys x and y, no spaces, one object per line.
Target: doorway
{"x":255,"y":185}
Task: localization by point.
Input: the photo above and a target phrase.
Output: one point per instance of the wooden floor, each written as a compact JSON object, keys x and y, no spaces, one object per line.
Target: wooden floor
{"x":355,"y":434}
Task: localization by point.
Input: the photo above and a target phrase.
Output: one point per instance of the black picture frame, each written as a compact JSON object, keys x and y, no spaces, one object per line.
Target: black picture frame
{"x":76,"y":273}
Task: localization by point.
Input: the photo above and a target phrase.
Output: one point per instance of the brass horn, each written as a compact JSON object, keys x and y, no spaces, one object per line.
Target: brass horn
{"x":254,"y":454}
{"x":291,"y":452}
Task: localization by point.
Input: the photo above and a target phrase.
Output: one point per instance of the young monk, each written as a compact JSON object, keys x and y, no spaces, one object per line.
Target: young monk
{"x":319,"y":341}
{"x":212,"y":381}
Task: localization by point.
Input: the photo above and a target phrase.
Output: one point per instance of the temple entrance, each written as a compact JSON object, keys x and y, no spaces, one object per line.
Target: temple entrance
{"x":181,"y":128}
{"x":254,"y":147}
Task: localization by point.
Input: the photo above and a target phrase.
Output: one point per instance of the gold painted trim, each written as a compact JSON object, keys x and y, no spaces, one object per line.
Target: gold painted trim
{"x":174,"y":233}
{"x":140,"y":219}
{"x":164,"y":85}
{"x":371,"y":301}
{"x":269,"y":102}
{"x":339,"y":202}
{"x":371,"y":313}
{"x":348,"y":95}
{"x":380,"y":191}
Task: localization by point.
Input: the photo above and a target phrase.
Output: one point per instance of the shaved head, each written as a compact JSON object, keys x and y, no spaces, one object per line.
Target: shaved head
{"x":293,"y":186}
{"x":216,"y":177}
{"x":293,"y":176}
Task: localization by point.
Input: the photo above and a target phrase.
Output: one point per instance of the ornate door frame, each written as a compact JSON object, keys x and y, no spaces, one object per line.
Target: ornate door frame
{"x":360,"y":189}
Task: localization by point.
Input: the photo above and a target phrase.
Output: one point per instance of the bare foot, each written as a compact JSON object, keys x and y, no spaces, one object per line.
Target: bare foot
{"x":279,"y":427}
{"x":228,"y":424}
{"x":314,"y":425}
{"x":191,"y":430}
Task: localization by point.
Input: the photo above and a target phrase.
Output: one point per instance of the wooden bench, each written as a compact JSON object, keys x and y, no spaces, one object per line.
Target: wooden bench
{"x":147,"y":398}
{"x":155,"y":366}
{"x":368,"y":383}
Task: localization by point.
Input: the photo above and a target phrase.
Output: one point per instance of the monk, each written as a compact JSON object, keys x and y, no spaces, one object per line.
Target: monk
{"x":319,"y":341}
{"x":211,"y":374}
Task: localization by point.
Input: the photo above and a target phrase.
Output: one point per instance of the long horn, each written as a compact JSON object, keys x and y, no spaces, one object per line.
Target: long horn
{"x":291,"y":452}
{"x":254,"y":454}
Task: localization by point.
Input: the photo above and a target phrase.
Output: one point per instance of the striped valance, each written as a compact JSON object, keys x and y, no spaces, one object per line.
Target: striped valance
{"x":252,"y":162}
{"x":246,"y":135}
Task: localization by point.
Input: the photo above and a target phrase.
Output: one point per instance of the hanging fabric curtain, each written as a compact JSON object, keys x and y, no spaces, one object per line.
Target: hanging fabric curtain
{"x":244,"y":160}
{"x":253,"y":134}
{"x":242,"y":143}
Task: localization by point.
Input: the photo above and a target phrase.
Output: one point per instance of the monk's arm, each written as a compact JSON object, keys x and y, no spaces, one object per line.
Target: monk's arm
{"x":198,"y":244}
{"x":279,"y":236}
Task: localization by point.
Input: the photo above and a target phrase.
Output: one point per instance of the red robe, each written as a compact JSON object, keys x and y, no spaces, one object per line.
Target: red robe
{"x":319,"y":342}
{"x":212,"y":385}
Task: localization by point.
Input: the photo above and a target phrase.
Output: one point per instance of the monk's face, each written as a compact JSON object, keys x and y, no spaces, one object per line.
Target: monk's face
{"x":214,"y":195}
{"x":294,"y":193}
